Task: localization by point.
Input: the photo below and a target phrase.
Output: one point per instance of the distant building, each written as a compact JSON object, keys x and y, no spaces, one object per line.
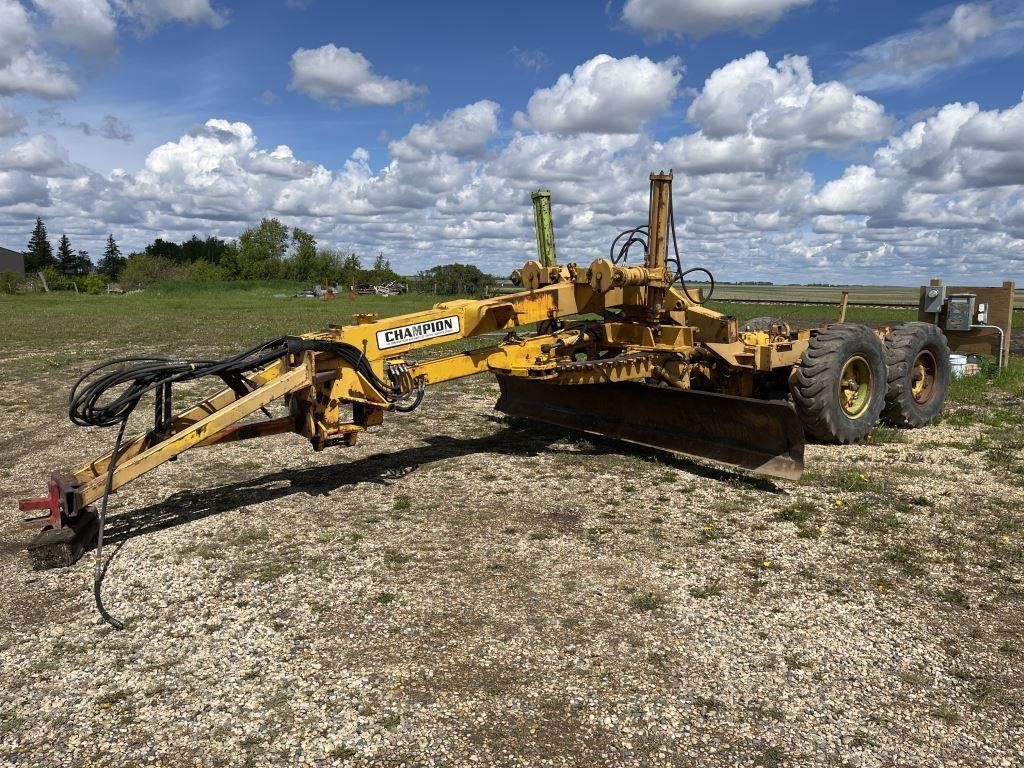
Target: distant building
{"x":12,"y":261}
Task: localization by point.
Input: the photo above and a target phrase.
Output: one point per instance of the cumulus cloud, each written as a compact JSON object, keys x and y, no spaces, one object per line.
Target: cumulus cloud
{"x":91,"y":25}
{"x":697,"y":18}
{"x":961,"y":168}
{"x":974,"y":31}
{"x":463,"y":131}
{"x":24,"y":68}
{"x":21,"y":190}
{"x":334,"y":75}
{"x":940,"y":197}
{"x":755,"y":117}
{"x":88,"y":25}
{"x":606,"y":95}
{"x":860,"y":190}
{"x":39,"y":155}
{"x":749,"y":96}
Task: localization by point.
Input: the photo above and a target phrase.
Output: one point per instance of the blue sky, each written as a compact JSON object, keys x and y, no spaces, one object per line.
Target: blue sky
{"x":420,"y":128}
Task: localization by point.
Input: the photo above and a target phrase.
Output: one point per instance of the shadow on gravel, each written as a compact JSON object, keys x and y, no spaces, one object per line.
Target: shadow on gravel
{"x":514,"y":438}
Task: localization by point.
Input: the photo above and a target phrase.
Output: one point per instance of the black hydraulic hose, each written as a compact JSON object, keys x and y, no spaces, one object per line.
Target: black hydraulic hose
{"x":633,"y":236}
{"x":680,"y":275}
{"x":88,"y":404}
{"x":682,"y":282}
{"x":100,"y":569}
{"x":641,"y":235}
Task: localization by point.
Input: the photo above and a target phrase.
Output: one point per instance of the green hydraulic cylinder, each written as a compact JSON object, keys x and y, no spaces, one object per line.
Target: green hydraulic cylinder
{"x":545,"y":227}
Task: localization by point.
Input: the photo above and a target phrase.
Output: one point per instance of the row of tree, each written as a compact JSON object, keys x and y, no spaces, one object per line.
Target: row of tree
{"x":69,"y":262}
{"x":268,"y":251}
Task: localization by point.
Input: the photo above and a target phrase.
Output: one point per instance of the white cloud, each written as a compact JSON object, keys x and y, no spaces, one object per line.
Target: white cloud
{"x":279,"y":162}
{"x":333,"y":75}
{"x":21,"y":189}
{"x":697,"y":18}
{"x":88,"y":25}
{"x":152,"y":13}
{"x":755,"y":117}
{"x":972,"y":21}
{"x":463,"y":131}
{"x":860,"y":190}
{"x":961,"y":168}
{"x":11,"y":123}
{"x":91,"y":25}
{"x":39,"y":155}
{"x":971,"y":33}
{"x":941,"y":197}
{"x":606,"y":95}
{"x":749,"y":96}
{"x":23,"y":67}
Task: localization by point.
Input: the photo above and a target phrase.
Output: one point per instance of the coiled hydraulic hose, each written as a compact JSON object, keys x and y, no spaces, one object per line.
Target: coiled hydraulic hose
{"x":89,"y":404}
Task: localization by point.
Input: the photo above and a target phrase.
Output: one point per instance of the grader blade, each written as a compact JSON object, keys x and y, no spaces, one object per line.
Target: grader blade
{"x":764,"y":436}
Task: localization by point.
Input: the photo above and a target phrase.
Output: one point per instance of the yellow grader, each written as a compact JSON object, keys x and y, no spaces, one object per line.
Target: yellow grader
{"x":623,"y":350}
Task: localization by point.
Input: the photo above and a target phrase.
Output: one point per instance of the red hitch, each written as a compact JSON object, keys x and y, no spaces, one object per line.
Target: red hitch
{"x":51,"y":503}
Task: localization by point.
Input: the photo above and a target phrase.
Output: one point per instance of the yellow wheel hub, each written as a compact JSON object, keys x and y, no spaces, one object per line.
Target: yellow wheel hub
{"x":855,"y":385}
{"x":922,"y":377}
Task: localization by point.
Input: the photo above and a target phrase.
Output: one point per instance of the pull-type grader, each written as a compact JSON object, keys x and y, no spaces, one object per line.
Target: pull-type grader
{"x":642,"y":361}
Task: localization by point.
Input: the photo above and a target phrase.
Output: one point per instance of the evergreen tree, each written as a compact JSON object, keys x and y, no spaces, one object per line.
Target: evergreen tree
{"x":39,"y":253}
{"x":66,"y":259}
{"x":112,"y":261}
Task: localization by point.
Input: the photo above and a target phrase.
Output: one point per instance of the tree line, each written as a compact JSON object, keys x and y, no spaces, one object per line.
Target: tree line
{"x":267,"y":251}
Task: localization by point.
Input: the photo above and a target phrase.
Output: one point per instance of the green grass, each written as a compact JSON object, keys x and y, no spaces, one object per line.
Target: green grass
{"x":973,"y":390}
{"x":812,"y":315}
{"x":175,"y":317}
{"x":648,"y":601}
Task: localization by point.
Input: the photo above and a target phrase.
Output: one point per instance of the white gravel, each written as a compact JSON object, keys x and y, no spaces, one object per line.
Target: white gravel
{"x":456,"y":590}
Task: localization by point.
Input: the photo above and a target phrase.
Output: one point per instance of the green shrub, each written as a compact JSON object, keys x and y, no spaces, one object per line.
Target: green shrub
{"x":10,"y":281}
{"x":205,"y":272}
{"x":56,"y":281}
{"x":93,"y":284}
{"x":142,"y":271}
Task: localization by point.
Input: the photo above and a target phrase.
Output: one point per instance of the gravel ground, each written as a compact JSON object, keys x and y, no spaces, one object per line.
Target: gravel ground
{"x":458,"y":589}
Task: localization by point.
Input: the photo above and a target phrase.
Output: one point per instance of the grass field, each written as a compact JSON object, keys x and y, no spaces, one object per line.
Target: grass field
{"x":858,"y":293}
{"x":458,"y":588}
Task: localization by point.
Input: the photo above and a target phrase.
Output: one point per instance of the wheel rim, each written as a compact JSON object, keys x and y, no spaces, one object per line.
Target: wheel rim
{"x":855,"y":387}
{"x":922,"y":377}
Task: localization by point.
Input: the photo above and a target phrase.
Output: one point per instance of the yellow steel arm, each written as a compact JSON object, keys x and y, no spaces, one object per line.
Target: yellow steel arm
{"x":319,"y":384}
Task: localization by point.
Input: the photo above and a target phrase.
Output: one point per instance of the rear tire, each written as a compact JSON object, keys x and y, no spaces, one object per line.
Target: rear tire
{"x":917,"y":358}
{"x":839,"y":387}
